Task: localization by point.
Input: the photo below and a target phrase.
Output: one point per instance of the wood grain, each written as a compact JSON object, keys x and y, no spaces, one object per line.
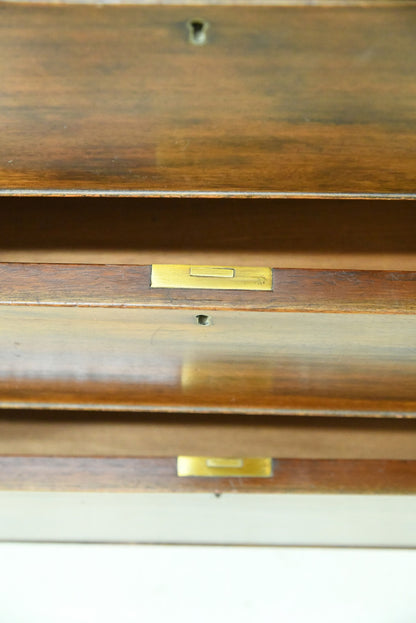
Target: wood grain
{"x":75,"y":434}
{"x":98,"y":337}
{"x":331,"y":234}
{"x":159,"y":475}
{"x":116,"y":100}
{"x":129,"y":287}
{"x":145,"y":359}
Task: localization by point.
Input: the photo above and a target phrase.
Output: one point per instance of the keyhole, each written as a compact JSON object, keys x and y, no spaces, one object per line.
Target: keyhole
{"x":197,"y":31}
{"x":203,"y":320}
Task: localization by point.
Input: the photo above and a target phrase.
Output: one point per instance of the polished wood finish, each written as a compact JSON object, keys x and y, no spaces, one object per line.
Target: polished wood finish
{"x":159,"y":475}
{"x":147,"y":359}
{"x":153,"y":435}
{"x":99,"y":337}
{"x":331,"y":234}
{"x":294,"y":290}
{"x":116,"y":100}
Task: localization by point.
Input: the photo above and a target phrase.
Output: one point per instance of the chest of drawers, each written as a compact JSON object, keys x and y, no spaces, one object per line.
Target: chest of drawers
{"x":263,"y":158}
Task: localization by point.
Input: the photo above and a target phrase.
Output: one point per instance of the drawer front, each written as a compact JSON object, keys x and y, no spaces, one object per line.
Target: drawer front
{"x":101,"y":337}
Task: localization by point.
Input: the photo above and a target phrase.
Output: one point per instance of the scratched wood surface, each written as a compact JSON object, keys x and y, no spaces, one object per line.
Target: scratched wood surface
{"x":332,"y":234}
{"x":159,"y":475}
{"x":310,"y":101}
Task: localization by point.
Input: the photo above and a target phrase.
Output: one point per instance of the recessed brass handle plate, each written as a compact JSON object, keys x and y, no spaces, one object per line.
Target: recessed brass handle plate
{"x":223,"y":467}
{"x":211,"y":277}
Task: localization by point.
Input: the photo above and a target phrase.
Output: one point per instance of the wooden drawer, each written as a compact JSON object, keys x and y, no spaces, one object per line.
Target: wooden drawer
{"x":320,"y":342}
{"x":279,"y":101}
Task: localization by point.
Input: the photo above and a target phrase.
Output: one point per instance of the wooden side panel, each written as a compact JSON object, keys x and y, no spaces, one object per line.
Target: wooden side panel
{"x":281,"y":101}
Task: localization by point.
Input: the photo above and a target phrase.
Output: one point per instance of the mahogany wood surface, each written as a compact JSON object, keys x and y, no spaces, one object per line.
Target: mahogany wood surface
{"x":99,"y":337}
{"x":294,"y":290}
{"x":116,"y":100}
{"x":72,"y":434}
{"x":281,"y":101}
{"x":330,"y":234}
{"x":159,"y":475}
{"x":146,"y":359}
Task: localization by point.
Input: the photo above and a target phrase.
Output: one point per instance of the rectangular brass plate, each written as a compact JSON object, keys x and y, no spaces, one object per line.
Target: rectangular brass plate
{"x":220,"y":467}
{"x":211,"y":277}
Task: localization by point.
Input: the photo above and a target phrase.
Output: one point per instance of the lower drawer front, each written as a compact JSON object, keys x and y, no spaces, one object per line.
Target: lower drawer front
{"x":62,"y":451}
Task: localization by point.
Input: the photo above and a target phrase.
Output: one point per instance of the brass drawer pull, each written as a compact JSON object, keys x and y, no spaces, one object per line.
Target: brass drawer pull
{"x":211,"y":277}
{"x":222,"y":467}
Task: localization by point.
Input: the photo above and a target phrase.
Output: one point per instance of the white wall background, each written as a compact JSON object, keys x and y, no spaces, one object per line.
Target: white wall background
{"x":65,"y":583}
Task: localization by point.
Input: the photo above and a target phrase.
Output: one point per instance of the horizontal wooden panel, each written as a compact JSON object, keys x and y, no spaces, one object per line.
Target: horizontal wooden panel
{"x":163,"y":360}
{"x":284,"y":3}
{"x":342,"y":234}
{"x":281,"y":101}
{"x":103,"y":435}
{"x":159,"y":475}
{"x":129,"y":286}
